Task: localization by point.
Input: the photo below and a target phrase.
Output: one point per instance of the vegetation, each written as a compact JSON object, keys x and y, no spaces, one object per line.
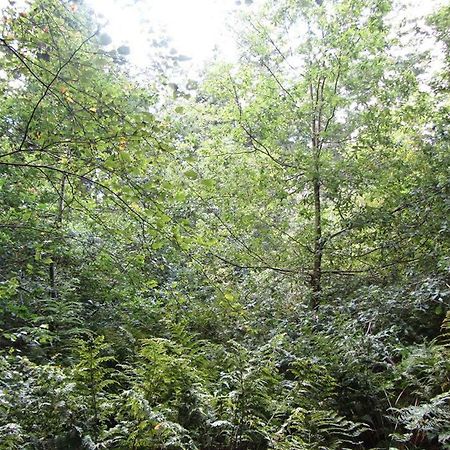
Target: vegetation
{"x":255,"y":260}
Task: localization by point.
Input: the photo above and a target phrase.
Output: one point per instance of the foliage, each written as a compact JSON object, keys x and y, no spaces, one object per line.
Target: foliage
{"x":259,"y":264}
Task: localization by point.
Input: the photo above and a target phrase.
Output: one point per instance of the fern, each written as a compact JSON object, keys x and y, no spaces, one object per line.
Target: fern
{"x":445,"y":331}
{"x":431,"y":418}
{"x":318,"y":429}
{"x":142,"y":426}
{"x":40,"y":403}
{"x":93,"y":378}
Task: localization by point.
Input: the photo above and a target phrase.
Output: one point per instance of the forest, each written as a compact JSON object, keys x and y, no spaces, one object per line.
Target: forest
{"x":257,"y":258}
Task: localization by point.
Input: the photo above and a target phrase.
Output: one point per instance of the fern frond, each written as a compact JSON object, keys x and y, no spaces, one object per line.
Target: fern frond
{"x":445,"y":330}
{"x":431,"y":418}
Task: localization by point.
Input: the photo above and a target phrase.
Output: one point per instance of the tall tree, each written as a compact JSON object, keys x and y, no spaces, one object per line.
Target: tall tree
{"x":78,"y":141}
{"x":318,"y":116}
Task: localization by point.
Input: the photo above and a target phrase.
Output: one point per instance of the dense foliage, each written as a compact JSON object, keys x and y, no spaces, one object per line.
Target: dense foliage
{"x":257,"y":260}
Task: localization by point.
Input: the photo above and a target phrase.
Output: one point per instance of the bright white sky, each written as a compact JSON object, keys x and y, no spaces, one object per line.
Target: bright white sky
{"x":195,"y":27}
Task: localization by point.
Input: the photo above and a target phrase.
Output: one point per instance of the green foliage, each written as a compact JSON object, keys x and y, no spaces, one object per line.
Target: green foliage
{"x":430,"y":420}
{"x":426,"y":372}
{"x":261,"y":265}
{"x":40,"y":407}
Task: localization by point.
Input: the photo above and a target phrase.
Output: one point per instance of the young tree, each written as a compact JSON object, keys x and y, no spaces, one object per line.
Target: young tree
{"x":317,"y":129}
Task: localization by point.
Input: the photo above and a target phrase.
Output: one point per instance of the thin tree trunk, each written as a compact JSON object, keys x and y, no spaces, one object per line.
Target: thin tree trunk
{"x":52,"y":268}
{"x":316,"y":275}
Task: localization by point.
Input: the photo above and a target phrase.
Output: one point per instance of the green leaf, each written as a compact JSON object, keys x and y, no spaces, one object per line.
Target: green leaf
{"x":229,"y":296}
{"x":157,"y":245}
{"x":191,"y":174}
{"x":208,"y":182}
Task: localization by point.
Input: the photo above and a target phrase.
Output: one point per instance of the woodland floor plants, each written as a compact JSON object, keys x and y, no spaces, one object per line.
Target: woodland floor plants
{"x":254,"y":260}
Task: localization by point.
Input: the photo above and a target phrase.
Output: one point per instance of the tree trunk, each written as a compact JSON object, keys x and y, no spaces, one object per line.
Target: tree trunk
{"x":316,"y":129}
{"x":316,"y":275}
{"x":52,"y":268}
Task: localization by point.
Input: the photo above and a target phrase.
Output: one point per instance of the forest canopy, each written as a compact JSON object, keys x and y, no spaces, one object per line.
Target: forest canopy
{"x":254,"y":259}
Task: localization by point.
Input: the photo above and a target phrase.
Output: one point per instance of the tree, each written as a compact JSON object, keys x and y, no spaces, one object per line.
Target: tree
{"x":316,"y":126}
{"x":73,"y":124}
{"x":263,"y":266}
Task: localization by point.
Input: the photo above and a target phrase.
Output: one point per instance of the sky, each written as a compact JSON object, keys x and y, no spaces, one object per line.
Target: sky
{"x":195,"y":27}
